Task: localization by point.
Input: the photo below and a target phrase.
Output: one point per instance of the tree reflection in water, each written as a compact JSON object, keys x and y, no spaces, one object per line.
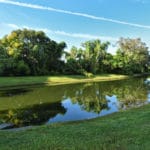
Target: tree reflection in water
{"x":90,"y":98}
{"x":34,"y":115}
{"x":41,"y":104}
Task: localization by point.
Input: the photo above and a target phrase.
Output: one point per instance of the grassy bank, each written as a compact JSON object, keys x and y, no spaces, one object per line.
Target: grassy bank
{"x":127,"y":130}
{"x":55,"y":80}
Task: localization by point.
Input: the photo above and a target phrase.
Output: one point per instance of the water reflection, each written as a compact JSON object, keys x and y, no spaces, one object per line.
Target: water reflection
{"x":34,"y":115}
{"x":71,"y":102}
{"x":13,"y":92}
{"x":76,"y":111}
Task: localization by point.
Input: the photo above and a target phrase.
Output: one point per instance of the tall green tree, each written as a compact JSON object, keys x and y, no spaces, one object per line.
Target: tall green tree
{"x":95,"y":52}
{"x":133,"y":56}
{"x":32,"y":52}
{"x":74,"y":61}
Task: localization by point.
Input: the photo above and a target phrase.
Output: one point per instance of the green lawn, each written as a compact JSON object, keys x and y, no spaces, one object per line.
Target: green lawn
{"x":55,"y":80}
{"x":127,"y":130}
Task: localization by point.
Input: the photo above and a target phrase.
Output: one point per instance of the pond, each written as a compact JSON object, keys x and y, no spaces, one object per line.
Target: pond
{"x":27,"y":106}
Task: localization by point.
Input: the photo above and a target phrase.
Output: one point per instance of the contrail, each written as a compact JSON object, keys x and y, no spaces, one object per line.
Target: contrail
{"x":33,"y":6}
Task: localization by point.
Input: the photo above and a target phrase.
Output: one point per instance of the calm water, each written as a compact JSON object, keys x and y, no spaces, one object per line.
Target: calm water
{"x":44,"y":105}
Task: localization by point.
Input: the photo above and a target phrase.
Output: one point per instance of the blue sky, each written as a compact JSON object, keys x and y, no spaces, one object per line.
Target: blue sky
{"x":76,"y":21}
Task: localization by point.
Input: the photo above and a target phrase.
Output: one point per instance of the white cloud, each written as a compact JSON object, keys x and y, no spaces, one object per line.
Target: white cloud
{"x":14,"y":26}
{"x":63,"y":33}
{"x":85,"y":36}
{"x":141,"y":1}
{"x":39,"y":29}
{"x":33,"y":6}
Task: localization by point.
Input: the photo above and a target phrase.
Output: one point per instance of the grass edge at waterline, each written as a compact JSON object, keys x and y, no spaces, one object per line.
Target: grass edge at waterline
{"x":123,"y":130}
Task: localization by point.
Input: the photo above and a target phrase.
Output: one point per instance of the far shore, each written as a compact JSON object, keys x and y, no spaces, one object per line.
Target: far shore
{"x":56,"y":80}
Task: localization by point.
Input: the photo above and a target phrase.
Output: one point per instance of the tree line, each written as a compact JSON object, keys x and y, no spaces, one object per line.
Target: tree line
{"x":29,"y":52}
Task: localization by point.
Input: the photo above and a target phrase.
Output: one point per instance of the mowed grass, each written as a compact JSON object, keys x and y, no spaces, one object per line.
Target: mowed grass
{"x":127,"y":130}
{"x":55,"y":80}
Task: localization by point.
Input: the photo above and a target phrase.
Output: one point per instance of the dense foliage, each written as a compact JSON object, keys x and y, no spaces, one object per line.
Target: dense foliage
{"x":29,"y":52}
{"x":131,"y":57}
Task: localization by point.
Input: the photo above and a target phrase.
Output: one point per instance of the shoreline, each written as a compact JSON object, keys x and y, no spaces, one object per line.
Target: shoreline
{"x":12,"y":82}
{"x":122,"y":126}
